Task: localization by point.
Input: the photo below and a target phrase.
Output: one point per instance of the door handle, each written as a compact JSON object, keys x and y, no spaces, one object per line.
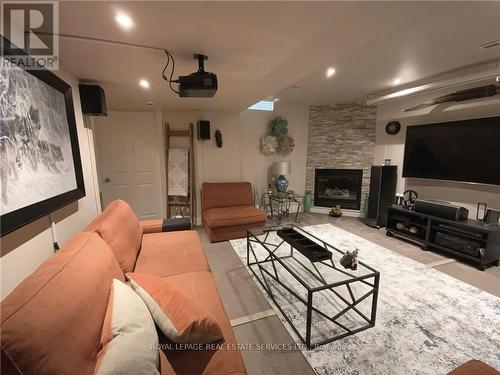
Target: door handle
{"x":107,"y":179}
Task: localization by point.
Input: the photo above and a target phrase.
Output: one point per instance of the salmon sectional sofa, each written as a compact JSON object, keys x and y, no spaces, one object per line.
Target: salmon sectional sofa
{"x":51,"y":323}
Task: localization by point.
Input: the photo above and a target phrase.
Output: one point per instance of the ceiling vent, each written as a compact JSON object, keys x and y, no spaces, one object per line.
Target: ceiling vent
{"x":489,"y":45}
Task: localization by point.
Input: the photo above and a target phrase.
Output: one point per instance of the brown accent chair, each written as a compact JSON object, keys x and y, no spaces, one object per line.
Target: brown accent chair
{"x":474,"y":367}
{"x":52,"y":322}
{"x":228,"y":210}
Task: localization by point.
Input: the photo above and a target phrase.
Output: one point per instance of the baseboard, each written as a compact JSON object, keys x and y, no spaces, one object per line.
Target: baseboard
{"x":345,"y":212}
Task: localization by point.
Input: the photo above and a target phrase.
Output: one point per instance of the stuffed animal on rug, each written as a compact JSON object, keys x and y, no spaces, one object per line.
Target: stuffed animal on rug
{"x":350,"y":259}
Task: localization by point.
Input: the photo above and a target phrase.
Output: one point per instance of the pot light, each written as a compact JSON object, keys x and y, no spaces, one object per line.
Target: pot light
{"x":144,"y":84}
{"x":396,"y":82}
{"x":124,"y":21}
{"x":330,"y":72}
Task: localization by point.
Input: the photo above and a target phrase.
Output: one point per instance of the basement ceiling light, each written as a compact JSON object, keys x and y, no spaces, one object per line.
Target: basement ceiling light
{"x":124,"y":21}
{"x":396,"y":82}
{"x":263,"y":105}
{"x":330,"y":72}
{"x":144,"y":83}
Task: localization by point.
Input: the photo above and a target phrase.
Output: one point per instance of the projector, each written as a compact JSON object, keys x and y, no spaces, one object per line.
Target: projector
{"x":199,"y":84}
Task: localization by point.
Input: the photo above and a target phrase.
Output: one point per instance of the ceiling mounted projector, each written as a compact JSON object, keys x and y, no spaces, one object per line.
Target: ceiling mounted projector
{"x":199,"y":84}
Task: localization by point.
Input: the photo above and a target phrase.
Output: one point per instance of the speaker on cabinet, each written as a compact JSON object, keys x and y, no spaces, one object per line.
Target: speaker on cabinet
{"x":203,"y":129}
{"x":93,"y":100}
{"x":382,"y":193}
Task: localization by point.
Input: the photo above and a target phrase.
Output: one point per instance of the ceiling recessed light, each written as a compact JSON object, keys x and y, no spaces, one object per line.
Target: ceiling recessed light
{"x":124,"y":21}
{"x":396,"y":82}
{"x":330,"y":72}
{"x":144,"y":84}
{"x":497,"y":79}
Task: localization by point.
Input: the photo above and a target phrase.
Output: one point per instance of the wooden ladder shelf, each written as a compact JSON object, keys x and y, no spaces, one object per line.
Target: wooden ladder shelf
{"x":175,"y":204}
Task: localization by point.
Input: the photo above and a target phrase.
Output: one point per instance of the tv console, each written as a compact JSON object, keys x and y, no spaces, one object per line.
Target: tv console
{"x":471,"y":240}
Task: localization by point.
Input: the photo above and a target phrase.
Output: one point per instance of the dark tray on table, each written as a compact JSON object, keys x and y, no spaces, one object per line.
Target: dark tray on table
{"x":307,"y":247}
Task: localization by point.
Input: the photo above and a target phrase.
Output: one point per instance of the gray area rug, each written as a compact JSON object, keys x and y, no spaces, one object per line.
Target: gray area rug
{"x":427,"y":322}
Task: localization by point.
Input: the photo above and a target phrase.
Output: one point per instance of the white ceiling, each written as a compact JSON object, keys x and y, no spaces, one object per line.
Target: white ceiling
{"x":262,"y":49}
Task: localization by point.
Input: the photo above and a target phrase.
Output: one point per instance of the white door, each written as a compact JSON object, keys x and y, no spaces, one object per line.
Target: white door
{"x":129,"y":147}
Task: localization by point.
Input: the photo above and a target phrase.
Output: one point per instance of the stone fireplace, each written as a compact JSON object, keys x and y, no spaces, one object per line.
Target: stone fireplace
{"x":338,"y":187}
{"x":341,"y":137}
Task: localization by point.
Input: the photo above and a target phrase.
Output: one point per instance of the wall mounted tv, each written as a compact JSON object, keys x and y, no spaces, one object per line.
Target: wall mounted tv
{"x":467,"y":150}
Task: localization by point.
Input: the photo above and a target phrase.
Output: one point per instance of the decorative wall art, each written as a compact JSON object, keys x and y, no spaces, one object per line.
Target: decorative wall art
{"x":40,"y":168}
{"x":218,"y":138}
{"x":277,"y":140}
{"x":268,"y":144}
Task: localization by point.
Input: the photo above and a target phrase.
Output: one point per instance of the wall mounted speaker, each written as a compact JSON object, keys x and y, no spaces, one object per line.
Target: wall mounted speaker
{"x":93,"y":100}
{"x":203,"y":129}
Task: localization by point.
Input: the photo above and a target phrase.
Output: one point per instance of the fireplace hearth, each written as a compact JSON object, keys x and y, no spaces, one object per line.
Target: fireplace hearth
{"x":338,"y":187}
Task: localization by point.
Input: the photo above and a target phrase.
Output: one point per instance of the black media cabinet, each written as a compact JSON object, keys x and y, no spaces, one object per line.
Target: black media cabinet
{"x":471,"y":240}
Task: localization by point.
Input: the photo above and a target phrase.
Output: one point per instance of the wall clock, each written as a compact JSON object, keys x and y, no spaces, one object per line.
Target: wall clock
{"x":393,"y":128}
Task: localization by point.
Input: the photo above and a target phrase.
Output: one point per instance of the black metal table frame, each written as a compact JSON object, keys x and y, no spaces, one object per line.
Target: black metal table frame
{"x":283,"y":209}
{"x":350,"y":305}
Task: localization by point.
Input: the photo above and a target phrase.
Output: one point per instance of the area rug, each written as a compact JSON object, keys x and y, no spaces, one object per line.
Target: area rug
{"x":427,"y":322}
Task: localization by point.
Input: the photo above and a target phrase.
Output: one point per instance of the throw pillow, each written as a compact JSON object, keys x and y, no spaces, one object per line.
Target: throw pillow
{"x":129,"y":339}
{"x":179,"y":317}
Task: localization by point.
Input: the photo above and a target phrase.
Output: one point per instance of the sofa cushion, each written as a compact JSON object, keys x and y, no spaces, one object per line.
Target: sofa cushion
{"x":229,"y":233}
{"x":474,"y":367}
{"x":119,"y":227}
{"x":151,"y":226}
{"x":129,"y":337}
{"x":233,"y":216}
{"x":165,"y":254}
{"x":51,"y":323}
{"x":226,"y":194}
{"x":200,"y":286}
{"x":165,"y":366}
{"x":178,"y":316}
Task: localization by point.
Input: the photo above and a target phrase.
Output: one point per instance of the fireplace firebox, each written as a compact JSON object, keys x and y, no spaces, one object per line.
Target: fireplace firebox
{"x":338,"y":187}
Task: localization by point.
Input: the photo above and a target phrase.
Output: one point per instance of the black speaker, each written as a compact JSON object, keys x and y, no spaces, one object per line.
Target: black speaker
{"x":93,"y":100}
{"x":203,"y":129}
{"x":441,"y":209}
{"x":383,"y":182}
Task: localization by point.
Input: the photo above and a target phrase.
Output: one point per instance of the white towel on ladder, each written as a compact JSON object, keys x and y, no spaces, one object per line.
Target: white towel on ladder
{"x":178,"y":168}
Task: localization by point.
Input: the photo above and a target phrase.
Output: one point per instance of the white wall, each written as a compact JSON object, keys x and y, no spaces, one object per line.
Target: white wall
{"x":392,"y":147}
{"x":240,"y":158}
{"x":25,"y":249}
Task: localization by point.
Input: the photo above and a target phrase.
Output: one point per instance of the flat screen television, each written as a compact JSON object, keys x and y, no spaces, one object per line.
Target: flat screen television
{"x":467,"y":150}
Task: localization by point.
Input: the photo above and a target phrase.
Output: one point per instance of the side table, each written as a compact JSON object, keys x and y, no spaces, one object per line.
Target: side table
{"x":280,"y":205}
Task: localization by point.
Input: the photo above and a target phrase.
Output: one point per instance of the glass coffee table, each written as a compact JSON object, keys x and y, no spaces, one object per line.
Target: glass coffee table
{"x":320,"y":299}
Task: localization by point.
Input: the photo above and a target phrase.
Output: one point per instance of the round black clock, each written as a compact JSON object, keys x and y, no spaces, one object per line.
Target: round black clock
{"x":393,"y":127}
